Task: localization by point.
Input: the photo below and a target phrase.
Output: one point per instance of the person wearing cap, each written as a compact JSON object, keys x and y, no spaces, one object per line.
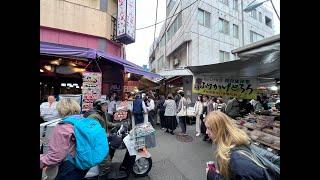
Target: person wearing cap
{"x":100,"y":107}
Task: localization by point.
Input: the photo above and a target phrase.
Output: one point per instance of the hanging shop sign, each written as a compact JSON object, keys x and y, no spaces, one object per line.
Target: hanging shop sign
{"x":91,"y":89}
{"x":126,"y":21}
{"x":243,"y":88}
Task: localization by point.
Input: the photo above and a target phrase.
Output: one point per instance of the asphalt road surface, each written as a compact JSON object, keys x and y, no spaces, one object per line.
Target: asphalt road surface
{"x":175,"y":160}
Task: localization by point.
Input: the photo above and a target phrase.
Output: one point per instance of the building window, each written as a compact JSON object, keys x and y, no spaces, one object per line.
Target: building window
{"x":174,"y":27}
{"x":254,"y":14}
{"x":224,"y":2}
{"x":170,"y":6}
{"x":235,"y":31}
{"x":160,"y":63}
{"x":204,"y":18}
{"x":162,"y":41}
{"x":268,"y":22}
{"x":224,"y":56}
{"x":255,"y":37}
{"x":235,"y":5}
{"x":260,"y":16}
{"x":223,"y":26}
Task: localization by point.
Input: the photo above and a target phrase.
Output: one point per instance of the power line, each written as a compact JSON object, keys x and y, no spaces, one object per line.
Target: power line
{"x":88,"y":7}
{"x":183,"y":24}
{"x":275,"y":10}
{"x":168,"y":17}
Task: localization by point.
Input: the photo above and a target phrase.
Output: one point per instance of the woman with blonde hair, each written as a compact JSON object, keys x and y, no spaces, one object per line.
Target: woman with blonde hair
{"x":231,"y":164}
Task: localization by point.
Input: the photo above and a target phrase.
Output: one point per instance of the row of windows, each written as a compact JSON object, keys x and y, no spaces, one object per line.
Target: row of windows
{"x":254,"y":15}
{"x":204,"y":20}
{"x":158,"y":64}
{"x":174,"y":27}
{"x":255,"y":37}
{"x":170,"y":6}
{"x":235,"y":4}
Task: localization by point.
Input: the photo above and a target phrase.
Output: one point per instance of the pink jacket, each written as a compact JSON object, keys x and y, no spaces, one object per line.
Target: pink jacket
{"x":61,"y":143}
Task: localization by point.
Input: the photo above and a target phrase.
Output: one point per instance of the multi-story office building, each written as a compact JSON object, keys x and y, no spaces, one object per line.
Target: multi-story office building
{"x":206,"y":31}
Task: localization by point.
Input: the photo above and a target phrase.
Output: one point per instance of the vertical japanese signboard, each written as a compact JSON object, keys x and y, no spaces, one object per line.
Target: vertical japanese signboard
{"x":91,"y":89}
{"x":126,"y":21}
{"x":244,"y":88}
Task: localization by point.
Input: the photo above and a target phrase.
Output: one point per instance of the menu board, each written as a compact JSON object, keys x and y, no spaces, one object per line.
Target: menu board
{"x":91,"y":89}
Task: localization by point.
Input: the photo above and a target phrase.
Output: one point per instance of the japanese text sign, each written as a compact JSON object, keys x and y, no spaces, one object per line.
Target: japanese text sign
{"x":243,"y":88}
{"x":91,"y":89}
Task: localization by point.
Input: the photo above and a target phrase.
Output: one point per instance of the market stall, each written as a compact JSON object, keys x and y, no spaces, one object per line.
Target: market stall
{"x":256,"y":72}
{"x":92,"y":73}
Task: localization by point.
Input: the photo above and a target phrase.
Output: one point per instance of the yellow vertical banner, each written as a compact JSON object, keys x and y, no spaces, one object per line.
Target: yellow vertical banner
{"x":242,"y":88}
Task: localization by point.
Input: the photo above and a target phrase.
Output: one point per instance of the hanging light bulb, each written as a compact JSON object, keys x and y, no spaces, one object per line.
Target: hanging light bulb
{"x":41,"y":70}
{"x":48,"y":67}
{"x":129,"y":74}
{"x":78,"y":70}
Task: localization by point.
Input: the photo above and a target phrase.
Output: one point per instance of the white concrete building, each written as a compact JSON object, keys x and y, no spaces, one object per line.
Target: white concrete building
{"x":207,"y":32}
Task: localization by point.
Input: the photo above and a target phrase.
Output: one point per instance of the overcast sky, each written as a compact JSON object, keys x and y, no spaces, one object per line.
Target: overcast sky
{"x":138,"y":52}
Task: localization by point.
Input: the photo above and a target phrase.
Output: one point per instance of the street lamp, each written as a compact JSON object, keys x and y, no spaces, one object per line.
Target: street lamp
{"x":249,"y":8}
{"x":254,"y":6}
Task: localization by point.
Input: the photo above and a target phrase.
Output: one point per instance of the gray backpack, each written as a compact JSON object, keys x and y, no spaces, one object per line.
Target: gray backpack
{"x":262,"y":158}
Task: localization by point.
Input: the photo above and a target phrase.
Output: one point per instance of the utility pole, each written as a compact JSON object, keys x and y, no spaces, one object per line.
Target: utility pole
{"x":242,"y":21}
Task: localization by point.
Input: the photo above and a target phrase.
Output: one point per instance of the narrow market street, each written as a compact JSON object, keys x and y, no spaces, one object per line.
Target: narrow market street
{"x":175,"y":160}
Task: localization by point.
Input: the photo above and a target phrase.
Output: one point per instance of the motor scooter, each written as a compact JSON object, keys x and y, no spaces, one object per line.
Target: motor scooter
{"x":137,"y":161}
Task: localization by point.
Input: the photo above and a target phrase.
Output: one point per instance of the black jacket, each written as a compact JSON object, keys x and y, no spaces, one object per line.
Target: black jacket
{"x":242,"y":168}
{"x":101,"y":117}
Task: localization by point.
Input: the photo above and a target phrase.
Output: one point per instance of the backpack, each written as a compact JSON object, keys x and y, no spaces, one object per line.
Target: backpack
{"x":91,"y":142}
{"x":261,"y":158}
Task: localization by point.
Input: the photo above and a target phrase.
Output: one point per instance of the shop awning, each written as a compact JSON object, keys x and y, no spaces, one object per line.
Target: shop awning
{"x":71,"y":51}
{"x":261,"y":59}
{"x":175,"y":72}
{"x":66,"y":51}
{"x":128,"y":66}
{"x":142,"y":72}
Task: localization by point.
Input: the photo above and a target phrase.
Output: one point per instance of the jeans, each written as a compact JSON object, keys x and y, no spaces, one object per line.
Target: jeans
{"x":183,"y":123}
{"x":138,"y":118}
{"x":68,"y":171}
{"x":151,"y":117}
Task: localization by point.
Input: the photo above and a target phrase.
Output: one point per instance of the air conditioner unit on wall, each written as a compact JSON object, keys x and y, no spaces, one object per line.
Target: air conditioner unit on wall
{"x":176,"y":62}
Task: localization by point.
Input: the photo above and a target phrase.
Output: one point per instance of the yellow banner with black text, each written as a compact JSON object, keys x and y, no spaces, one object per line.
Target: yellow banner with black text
{"x":242,"y":88}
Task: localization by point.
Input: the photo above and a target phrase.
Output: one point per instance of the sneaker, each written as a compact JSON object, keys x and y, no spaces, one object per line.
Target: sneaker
{"x":171,"y":132}
{"x":198,"y":134}
{"x":163,"y":128}
{"x":167,"y":131}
